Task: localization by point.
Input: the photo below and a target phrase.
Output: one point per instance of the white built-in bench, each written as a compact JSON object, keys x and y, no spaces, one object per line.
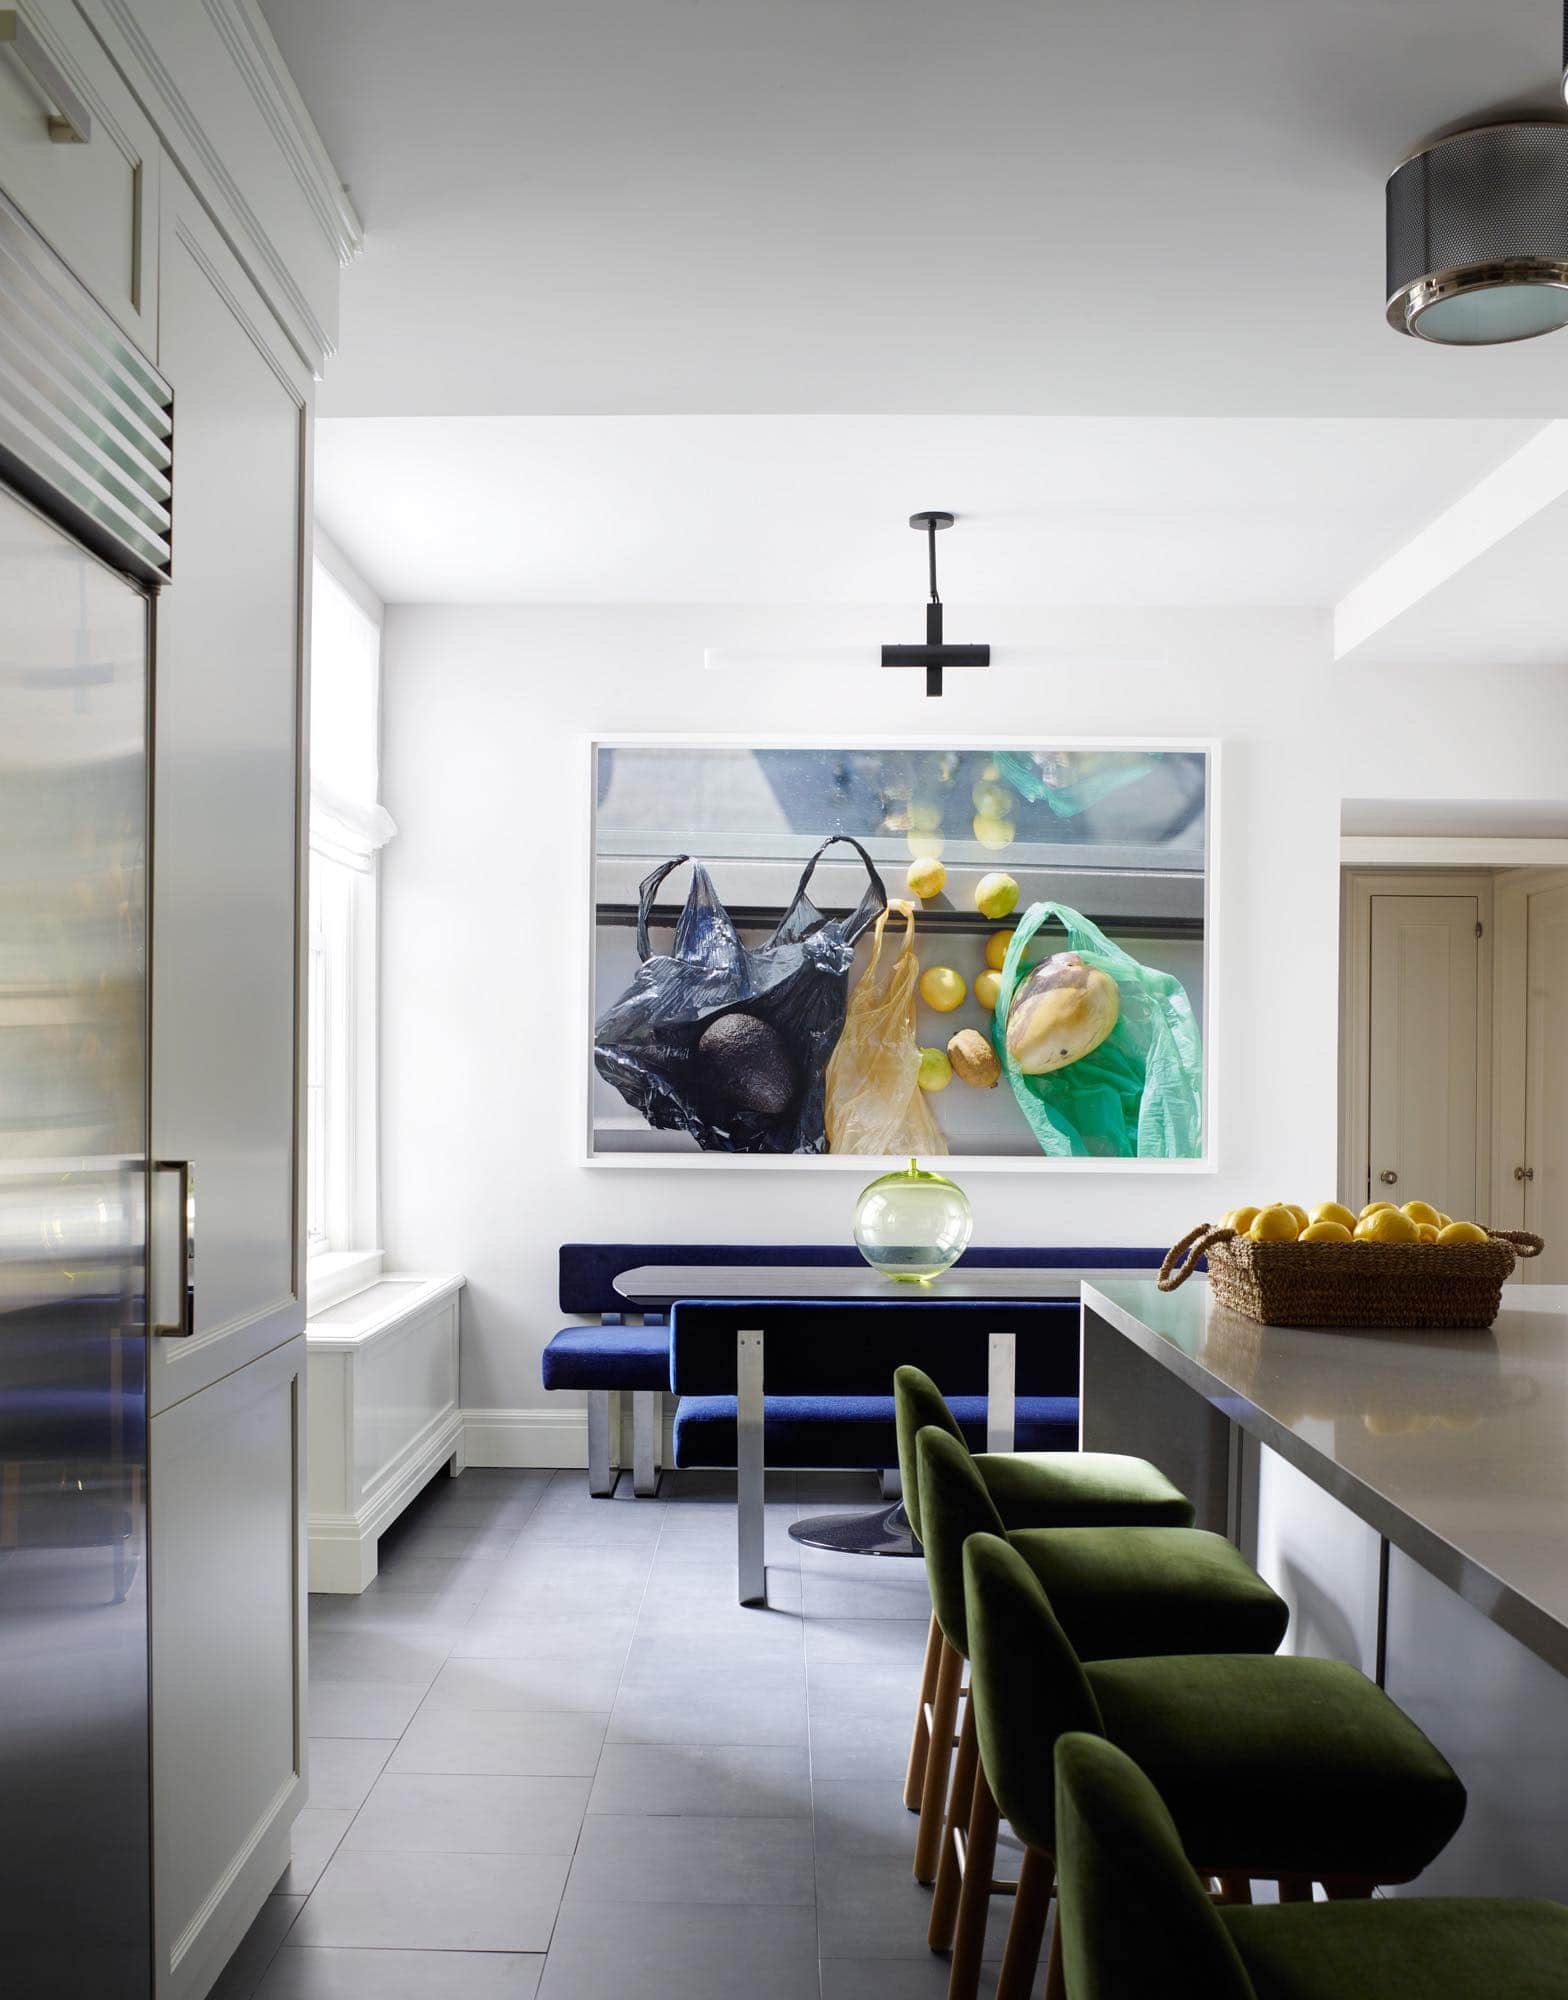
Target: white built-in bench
{"x":385,"y":1414}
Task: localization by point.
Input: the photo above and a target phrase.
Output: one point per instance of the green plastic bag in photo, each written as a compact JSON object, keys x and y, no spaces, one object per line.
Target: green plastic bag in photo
{"x":1139,"y":1095}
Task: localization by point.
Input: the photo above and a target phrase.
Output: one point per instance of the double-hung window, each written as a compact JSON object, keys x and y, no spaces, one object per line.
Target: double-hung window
{"x":348,"y":829}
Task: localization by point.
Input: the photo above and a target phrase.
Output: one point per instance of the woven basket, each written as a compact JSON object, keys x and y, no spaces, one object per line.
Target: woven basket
{"x":1353,"y":1284}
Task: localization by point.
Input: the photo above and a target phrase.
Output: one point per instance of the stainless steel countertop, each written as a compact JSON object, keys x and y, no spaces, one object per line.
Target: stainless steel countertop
{"x":659,"y":1286}
{"x":1452,"y":1445}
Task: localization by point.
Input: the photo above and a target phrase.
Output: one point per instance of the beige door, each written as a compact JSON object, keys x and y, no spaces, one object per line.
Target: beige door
{"x":1546,"y":1084}
{"x":1425,"y":1051}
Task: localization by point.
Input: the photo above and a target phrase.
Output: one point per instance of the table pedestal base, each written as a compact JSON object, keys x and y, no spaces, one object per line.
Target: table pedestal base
{"x":885,"y":1533}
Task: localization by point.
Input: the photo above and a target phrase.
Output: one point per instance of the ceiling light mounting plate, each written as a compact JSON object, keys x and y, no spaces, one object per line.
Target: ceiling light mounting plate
{"x":931,"y":520}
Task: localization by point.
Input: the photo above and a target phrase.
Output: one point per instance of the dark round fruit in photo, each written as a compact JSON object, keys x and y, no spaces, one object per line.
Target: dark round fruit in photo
{"x":747,"y":1064}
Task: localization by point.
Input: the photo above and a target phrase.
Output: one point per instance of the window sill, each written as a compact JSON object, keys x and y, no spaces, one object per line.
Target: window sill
{"x":334,"y":1274}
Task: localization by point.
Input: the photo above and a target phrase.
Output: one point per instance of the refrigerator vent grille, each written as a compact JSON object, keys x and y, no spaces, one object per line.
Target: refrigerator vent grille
{"x":86,"y":424}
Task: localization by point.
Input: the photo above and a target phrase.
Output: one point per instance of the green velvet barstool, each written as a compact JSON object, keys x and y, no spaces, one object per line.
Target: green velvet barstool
{"x":1131,"y":1907}
{"x":1291,"y":1770}
{"x":1032,"y":1489}
{"x":1120,"y":1593}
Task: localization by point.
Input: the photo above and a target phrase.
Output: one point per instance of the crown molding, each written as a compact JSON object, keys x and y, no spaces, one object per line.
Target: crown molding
{"x":260,"y":62}
{"x":183,"y":131}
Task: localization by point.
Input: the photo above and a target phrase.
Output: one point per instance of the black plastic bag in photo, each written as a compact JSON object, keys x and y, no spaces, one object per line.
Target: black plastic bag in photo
{"x":730,"y":1042}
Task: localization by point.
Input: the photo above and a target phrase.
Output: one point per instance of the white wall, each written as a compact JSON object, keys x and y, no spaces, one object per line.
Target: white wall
{"x":486,"y":710}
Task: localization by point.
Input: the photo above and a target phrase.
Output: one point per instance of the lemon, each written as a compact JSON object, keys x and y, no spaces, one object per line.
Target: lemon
{"x":1443,"y":1221}
{"x":926,"y":877}
{"x":1427,"y":1231}
{"x":1372,"y":1208}
{"x":1301,"y":1215}
{"x":1274,"y":1224}
{"x":996,"y":895}
{"x":1463,"y":1232}
{"x":1334,"y":1211}
{"x":924,"y":846}
{"x":1422,"y":1211}
{"x":992,"y":800}
{"x":935,"y":1072}
{"x":1324,"y":1232}
{"x":987,"y":987}
{"x":943,"y":989}
{"x":996,"y":949}
{"x":1386,"y":1225}
{"x":993,"y":832}
{"x":1240,"y":1219}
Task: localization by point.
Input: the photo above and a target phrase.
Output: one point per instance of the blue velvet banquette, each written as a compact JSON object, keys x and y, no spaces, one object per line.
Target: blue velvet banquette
{"x":822,"y":1417}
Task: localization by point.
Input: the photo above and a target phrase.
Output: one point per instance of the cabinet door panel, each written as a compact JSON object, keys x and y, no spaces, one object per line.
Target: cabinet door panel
{"x":226,"y":790}
{"x":97,"y":203}
{"x":1425,"y":1050}
{"x":227,"y":1618}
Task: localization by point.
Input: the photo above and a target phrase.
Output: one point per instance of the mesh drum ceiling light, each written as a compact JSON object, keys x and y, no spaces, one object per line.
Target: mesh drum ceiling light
{"x":1478,"y":236}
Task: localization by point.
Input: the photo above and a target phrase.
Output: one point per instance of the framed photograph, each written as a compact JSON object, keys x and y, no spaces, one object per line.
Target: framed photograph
{"x":804,"y":954}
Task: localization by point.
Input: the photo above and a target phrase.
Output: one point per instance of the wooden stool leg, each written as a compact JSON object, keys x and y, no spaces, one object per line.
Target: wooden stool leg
{"x":1055,"y":1976}
{"x":974,"y":1902}
{"x":915,"y":1777}
{"x":949,"y":1875}
{"x":1021,"y":1960}
{"x":939,"y":1761}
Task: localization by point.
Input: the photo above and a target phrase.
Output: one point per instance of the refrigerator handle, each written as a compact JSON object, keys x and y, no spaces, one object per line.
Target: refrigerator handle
{"x":175,"y":1308}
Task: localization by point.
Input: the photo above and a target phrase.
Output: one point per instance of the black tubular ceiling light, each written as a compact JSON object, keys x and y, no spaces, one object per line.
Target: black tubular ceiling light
{"x":934,"y":655}
{"x":1478,"y":234}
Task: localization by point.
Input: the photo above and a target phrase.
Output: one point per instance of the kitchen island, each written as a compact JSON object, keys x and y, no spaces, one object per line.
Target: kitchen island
{"x":1407,"y":1493}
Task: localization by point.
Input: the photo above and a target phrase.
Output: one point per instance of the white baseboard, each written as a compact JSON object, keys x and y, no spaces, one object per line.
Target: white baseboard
{"x":544,"y":1438}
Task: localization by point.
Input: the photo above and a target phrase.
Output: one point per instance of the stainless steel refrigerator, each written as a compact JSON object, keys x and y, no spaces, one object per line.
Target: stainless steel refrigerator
{"x":75,"y":1889}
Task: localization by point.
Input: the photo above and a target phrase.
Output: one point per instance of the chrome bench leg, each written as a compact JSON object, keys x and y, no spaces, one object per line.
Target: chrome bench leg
{"x":647,"y":1415}
{"x":1001,"y":1393}
{"x":751,"y":1565}
{"x":601,"y":1474}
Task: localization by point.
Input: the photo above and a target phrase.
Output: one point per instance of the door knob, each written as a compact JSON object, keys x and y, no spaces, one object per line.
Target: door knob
{"x":1524,"y":1173}
{"x":1388,"y":1177}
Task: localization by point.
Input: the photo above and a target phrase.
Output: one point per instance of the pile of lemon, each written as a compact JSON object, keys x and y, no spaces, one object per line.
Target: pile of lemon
{"x":1332,"y":1222}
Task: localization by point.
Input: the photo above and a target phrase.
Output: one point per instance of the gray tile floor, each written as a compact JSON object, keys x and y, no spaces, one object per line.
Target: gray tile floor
{"x":551,"y":1756}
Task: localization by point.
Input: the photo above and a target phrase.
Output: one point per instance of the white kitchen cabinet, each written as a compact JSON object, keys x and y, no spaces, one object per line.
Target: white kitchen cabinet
{"x":227,"y":1446}
{"x":227,"y":829}
{"x":94,"y":197}
{"x":227,"y":1616}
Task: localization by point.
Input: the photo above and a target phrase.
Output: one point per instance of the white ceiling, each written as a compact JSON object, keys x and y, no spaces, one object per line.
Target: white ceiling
{"x":1053,"y":206}
{"x":813,"y":509}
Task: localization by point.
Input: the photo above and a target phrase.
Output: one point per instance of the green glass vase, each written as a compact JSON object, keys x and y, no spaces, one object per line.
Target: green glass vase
{"x":912,"y":1225}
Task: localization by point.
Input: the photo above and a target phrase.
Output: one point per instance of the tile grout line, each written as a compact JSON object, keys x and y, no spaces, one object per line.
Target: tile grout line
{"x":354,"y":1815}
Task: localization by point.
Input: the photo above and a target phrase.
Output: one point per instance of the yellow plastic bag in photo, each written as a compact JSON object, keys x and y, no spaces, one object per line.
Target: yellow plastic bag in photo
{"x":874,"y":1103}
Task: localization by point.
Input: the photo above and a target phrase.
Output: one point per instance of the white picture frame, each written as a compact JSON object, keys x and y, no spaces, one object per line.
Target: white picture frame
{"x":869,"y":1165}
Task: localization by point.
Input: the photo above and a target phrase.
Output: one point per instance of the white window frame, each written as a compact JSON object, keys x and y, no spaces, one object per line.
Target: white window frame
{"x":343,"y":1220}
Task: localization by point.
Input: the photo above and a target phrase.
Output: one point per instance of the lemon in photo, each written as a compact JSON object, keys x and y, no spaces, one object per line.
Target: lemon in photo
{"x":1301,"y":1215}
{"x":1427,"y":1231}
{"x":1327,"y":1231}
{"x":1274,"y":1224}
{"x":987,"y":987}
{"x":935,"y":1072}
{"x":992,"y":832}
{"x":1335,"y":1211}
{"x":1463,"y":1232}
{"x":996,"y":949}
{"x":996,"y":894}
{"x":1240,"y":1219}
{"x":1386,"y":1225}
{"x":926,"y":877}
{"x":1423,"y":1211}
{"x":1372,"y":1208}
{"x":942,"y":989}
